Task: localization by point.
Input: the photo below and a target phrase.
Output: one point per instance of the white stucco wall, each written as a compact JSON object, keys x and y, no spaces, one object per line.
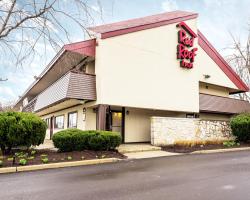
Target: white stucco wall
{"x":137,"y":123}
{"x":88,"y":124}
{"x":206,"y":66}
{"x":140,"y":70}
{"x":206,"y":88}
{"x":214,"y":116}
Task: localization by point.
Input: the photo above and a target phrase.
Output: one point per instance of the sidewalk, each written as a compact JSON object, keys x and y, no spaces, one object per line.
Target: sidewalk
{"x":137,"y":147}
{"x":47,"y":144}
{"x":160,"y":153}
{"x":149,"y":154}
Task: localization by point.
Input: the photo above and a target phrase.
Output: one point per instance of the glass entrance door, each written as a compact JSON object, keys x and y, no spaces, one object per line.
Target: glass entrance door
{"x":116,"y":121}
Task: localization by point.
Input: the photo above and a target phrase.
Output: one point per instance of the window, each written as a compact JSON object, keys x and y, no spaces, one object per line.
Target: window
{"x":72,"y":120}
{"x":192,"y":115}
{"x":59,"y":122}
{"x":47,"y":120}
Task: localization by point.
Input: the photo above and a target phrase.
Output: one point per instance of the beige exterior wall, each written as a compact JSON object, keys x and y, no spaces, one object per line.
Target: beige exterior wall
{"x":206,"y":66}
{"x":90,"y":123}
{"x":213,"y":116}
{"x":140,"y":70}
{"x":214,"y":90}
{"x":90,"y":68}
{"x":137,"y":123}
{"x":81,"y":124}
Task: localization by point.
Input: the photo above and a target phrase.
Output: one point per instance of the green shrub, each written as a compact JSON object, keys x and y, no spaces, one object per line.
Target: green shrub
{"x":1,"y":163}
{"x":45,"y":160}
{"x":33,"y":152}
{"x":78,"y":140}
{"x":97,"y":142}
{"x":20,"y":129}
{"x":240,"y":126}
{"x":22,"y":161}
{"x":69,"y":158}
{"x":68,"y":140}
{"x":230,"y":143}
{"x":10,"y":159}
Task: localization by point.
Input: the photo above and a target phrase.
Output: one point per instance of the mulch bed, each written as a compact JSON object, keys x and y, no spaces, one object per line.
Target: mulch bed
{"x":189,"y":149}
{"x":55,"y":157}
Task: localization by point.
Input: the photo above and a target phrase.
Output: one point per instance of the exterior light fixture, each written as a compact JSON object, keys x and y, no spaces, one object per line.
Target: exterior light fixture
{"x":84,"y":114}
{"x":206,"y":76}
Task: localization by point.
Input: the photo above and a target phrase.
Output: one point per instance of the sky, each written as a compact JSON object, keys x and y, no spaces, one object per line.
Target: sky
{"x":217,"y":19}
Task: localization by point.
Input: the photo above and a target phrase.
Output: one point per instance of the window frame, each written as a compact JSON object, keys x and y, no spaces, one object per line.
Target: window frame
{"x":70,"y":113}
{"x":47,"y":120}
{"x":55,"y":127}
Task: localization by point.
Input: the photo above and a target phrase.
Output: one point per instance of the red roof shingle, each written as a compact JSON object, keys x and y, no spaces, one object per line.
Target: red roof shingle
{"x":133,"y":25}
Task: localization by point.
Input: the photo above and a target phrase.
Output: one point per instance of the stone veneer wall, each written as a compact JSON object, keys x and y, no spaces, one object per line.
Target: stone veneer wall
{"x":167,"y":130}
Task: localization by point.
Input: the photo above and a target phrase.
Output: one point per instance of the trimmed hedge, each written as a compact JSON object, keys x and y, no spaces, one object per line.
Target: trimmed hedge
{"x":20,"y":129}
{"x":240,"y":126}
{"x":78,"y":140}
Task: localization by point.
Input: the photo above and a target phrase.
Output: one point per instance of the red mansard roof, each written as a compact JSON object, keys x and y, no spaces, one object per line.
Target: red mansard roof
{"x":138,"y":24}
{"x":86,"y":47}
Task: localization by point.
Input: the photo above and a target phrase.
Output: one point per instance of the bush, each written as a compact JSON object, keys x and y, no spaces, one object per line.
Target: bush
{"x":78,"y":140}
{"x":240,"y":126}
{"x":21,"y":129}
{"x":230,"y":143}
{"x":45,"y":160}
{"x":22,"y":161}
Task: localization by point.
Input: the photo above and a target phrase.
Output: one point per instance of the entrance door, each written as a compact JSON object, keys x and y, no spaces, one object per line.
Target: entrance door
{"x":116,"y":123}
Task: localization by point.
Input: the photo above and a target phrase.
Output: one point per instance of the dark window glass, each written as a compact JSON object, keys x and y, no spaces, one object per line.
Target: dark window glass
{"x":72,"y":120}
{"x":59,"y":122}
{"x":47,"y":120}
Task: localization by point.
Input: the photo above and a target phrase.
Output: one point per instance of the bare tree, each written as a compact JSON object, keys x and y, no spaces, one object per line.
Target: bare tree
{"x":7,"y":106}
{"x":26,"y":23}
{"x":239,"y":58}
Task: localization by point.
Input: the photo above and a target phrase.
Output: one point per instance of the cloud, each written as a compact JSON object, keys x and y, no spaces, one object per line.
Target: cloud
{"x":95,"y":8}
{"x":6,"y":91}
{"x":169,"y":5}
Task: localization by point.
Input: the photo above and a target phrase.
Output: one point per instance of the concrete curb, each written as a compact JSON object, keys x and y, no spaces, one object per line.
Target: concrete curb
{"x":220,"y":150}
{"x":57,"y":165}
{"x":7,"y":170}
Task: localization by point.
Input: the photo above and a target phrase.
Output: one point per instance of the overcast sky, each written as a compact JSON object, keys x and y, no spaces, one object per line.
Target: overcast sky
{"x":216,"y":19}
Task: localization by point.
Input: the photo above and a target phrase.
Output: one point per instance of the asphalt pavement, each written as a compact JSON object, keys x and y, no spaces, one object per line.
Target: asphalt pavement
{"x":217,"y":176}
